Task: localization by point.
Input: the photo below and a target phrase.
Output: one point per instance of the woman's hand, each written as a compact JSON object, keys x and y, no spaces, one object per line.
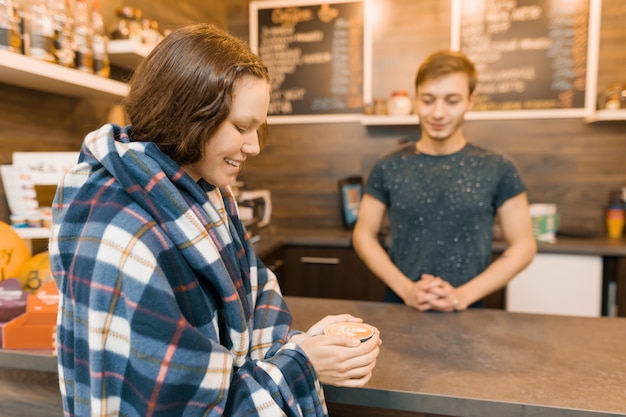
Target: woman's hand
{"x":338,"y":359}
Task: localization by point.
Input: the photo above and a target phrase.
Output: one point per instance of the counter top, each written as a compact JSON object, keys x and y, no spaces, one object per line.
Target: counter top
{"x":339,"y":237}
{"x":488,"y":363}
{"x":482,"y":362}
{"x":28,"y":359}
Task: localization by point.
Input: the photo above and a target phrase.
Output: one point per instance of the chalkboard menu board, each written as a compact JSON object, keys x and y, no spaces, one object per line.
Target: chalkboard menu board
{"x":314,"y":52}
{"x":530,"y":54}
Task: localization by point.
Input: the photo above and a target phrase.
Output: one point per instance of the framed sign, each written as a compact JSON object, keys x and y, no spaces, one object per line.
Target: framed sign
{"x":535,"y":58}
{"x":314,"y":52}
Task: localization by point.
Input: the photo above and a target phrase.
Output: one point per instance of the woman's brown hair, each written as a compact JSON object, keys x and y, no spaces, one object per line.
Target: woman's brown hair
{"x":182,"y":91}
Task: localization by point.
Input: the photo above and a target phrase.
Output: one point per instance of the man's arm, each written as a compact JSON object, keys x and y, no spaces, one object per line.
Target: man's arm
{"x":521,"y":248}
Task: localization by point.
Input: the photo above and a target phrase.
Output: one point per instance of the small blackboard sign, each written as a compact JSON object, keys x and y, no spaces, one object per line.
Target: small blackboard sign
{"x":531,"y":55}
{"x":314,"y":52}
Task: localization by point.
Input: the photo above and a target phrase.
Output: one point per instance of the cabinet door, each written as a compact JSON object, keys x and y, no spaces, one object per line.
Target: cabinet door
{"x":558,"y":284}
{"x":275,"y":261}
{"x":329,"y":273}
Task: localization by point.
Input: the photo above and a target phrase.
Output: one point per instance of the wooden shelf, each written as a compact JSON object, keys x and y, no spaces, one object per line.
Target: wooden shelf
{"x":377,"y":120}
{"x":29,"y":359}
{"x":33,"y":232}
{"x":313,"y":118}
{"x":126,"y":53}
{"x":27,"y":72}
{"x":598,"y":116}
{"x":606,"y":116}
{"x":28,"y":234}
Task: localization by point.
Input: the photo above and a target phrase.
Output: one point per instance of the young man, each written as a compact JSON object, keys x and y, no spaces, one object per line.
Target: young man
{"x":442,"y":195}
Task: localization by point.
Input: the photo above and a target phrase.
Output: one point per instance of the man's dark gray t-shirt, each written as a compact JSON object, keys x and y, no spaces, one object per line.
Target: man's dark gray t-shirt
{"x":442,"y":208}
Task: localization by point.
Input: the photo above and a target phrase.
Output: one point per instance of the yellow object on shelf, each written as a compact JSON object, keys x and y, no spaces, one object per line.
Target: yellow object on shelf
{"x":13,"y":251}
{"x":35,"y":272}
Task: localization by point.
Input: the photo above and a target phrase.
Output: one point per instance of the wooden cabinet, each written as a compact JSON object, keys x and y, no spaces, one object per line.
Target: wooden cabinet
{"x":328,"y":272}
{"x":275,"y":261}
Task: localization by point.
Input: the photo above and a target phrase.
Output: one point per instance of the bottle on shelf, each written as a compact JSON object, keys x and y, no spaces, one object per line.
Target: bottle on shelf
{"x":83,"y":37}
{"x":40,"y":30}
{"x":615,"y":215}
{"x":62,"y":21}
{"x":150,"y":34}
{"x":128,"y":25}
{"x":19,"y":7}
{"x":9,"y":27}
{"x":101,"y":64}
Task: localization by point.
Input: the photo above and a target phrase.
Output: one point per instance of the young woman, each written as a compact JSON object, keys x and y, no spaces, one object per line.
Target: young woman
{"x":165,"y":309}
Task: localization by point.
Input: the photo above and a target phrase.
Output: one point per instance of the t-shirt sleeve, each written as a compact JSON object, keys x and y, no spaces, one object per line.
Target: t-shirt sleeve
{"x":511,"y":183}
{"x":375,"y":184}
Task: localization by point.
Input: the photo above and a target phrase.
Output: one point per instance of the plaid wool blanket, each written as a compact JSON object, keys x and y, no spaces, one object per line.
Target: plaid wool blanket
{"x":165,"y":309}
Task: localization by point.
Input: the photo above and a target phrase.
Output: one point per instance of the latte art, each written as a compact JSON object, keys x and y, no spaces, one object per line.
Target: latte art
{"x":361,"y":331}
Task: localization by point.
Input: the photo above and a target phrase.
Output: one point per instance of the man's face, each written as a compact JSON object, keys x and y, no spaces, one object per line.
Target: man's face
{"x":441,"y":104}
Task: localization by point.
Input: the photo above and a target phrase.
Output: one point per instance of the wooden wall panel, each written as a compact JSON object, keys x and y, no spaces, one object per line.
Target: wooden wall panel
{"x":566,"y":162}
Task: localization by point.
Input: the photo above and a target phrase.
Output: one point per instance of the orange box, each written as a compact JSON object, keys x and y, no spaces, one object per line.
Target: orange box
{"x":35,"y":328}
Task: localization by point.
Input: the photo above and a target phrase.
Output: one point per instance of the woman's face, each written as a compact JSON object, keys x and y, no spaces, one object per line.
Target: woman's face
{"x":236,"y":138}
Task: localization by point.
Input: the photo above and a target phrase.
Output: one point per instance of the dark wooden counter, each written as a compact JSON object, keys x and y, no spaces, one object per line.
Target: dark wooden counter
{"x":29,"y":385}
{"x":487,"y":363}
{"x":612,"y":251}
{"x":600,"y":245}
{"x":587,"y":371}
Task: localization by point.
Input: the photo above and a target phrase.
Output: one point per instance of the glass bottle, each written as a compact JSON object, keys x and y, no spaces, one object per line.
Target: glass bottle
{"x":155,"y":34}
{"x":9,"y":27}
{"x":101,"y":65}
{"x":40,"y":31}
{"x":615,"y":215}
{"x":20,"y":7}
{"x":128,"y":25}
{"x":121,"y":30}
{"x":83,"y":38}
{"x":62,"y":21}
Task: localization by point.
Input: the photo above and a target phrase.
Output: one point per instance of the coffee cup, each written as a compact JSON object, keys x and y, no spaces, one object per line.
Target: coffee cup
{"x":545,"y":221}
{"x":361,"y":331}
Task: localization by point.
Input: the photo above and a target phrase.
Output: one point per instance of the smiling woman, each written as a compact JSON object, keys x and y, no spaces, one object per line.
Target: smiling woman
{"x":237,"y":137}
{"x":165,"y":307}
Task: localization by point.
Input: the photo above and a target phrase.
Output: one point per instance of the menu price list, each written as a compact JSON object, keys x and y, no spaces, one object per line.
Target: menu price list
{"x":315,"y":57}
{"x":530,"y":54}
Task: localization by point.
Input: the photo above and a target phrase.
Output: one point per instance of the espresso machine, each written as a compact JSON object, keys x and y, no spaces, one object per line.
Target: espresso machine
{"x":255,"y":209}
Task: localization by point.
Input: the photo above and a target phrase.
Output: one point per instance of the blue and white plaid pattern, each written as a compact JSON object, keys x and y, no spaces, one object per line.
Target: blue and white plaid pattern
{"x":165,"y":309}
